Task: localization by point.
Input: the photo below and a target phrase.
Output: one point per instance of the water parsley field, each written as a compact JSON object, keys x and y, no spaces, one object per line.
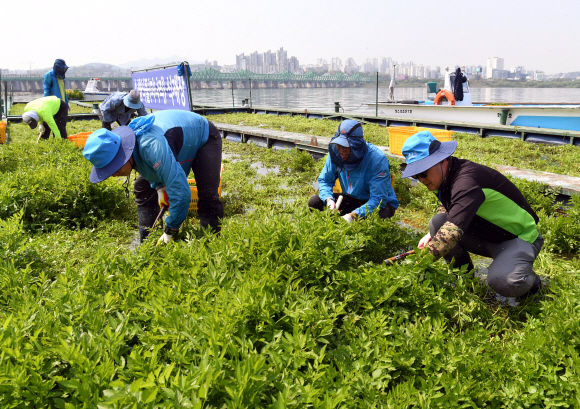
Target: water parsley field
{"x":287,"y":308}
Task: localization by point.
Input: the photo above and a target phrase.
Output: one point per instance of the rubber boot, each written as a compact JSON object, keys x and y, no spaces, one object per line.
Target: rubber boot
{"x":213,"y":223}
{"x":147,"y":216}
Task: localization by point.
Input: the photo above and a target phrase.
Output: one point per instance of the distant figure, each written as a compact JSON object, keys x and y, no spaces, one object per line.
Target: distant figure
{"x":54,"y":81}
{"x":120,"y":107}
{"x":48,"y":110}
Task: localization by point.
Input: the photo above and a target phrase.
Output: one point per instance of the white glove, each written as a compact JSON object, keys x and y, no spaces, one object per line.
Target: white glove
{"x":348,"y":218}
{"x":166,"y":238}
{"x":330,"y":204}
{"x":424,"y":241}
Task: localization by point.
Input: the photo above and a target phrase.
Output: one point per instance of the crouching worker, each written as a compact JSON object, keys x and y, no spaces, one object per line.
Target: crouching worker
{"x":163,"y":147}
{"x":50,"y":111}
{"x":482,"y":213}
{"x":363,"y":172}
{"x":120,"y":107}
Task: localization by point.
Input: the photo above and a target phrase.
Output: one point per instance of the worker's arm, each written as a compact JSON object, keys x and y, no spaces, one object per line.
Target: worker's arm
{"x":158,"y":155}
{"x":109,"y":108}
{"x":378,"y":186}
{"x":47,"y":84}
{"x":142,"y":111}
{"x":466,"y":198}
{"x":326,"y":181}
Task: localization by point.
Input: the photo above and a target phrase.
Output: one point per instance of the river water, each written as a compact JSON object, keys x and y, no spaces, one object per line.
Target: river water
{"x":355,"y":99}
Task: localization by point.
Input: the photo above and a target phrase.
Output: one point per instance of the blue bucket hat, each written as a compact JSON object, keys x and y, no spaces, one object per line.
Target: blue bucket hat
{"x":133,"y":99}
{"x":350,"y":135}
{"x":422,"y":151}
{"x":109,"y":151}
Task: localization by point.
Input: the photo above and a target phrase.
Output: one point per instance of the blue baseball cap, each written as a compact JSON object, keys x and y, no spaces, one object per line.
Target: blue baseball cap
{"x":346,"y":129}
{"x":108,"y":151}
{"x":422,"y":151}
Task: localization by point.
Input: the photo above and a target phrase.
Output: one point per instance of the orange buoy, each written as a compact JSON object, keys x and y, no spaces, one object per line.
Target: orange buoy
{"x":444,"y":94}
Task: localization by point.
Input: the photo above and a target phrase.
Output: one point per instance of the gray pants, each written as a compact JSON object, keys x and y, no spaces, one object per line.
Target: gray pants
{"x":510,"y":274}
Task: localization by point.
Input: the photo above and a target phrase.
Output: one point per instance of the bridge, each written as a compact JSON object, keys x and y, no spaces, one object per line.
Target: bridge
{"x":205,"y":79}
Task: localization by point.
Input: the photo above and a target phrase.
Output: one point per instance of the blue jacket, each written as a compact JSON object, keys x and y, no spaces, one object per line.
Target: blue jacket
{"x":50,"y":84}
{"x":113,"y":109}
{"x":369,"y":181}
{"x":165,"y":146}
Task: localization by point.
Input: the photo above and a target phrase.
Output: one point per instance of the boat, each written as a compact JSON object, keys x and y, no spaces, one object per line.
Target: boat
{"x":92,"y":92}
{"x":443,"y":106}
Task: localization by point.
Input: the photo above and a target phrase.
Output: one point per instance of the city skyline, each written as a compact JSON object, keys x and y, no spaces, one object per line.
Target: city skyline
{"x":436,"y":33}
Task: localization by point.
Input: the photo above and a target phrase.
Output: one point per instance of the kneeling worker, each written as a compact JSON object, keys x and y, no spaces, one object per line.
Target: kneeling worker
{"x":483,"y":213}
{"x":51,"y":111}
{"x":363,"y":172}
{"x":163,"y":147}
{"x":120,"y":107}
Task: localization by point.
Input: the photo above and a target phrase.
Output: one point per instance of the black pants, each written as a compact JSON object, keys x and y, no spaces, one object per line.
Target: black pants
{"x":349,"y":204}
{"x":61,"y":118}
{"x":206,"y":167}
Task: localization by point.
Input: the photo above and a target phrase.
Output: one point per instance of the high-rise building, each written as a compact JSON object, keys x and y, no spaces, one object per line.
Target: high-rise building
{"x":270,"y":65}
{"x":293,"y":64}
{"x":336,"y":64}
{"x":282,"y":57}
{"x":350,"y":66}
{"x":495,"y":63}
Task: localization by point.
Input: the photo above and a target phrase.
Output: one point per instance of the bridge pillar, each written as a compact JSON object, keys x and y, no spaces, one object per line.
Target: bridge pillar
{"x":195,"y":84}
{"x":244,"y":84}
{"x":219,"y":85}
{"x":206,"y":85}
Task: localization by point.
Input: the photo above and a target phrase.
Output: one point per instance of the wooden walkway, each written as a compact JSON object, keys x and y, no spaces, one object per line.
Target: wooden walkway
{"x":318,"y":145}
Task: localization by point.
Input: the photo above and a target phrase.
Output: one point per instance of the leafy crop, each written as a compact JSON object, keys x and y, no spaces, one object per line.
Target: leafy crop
{"x":286,"y":308}
{"x":49,"y":183}
{"x":75,"y":94}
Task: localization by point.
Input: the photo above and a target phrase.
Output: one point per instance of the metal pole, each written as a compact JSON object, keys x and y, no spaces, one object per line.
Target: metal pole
{"x":186,"y":75}
{"x":377,"y":102}
{"x":250,"y":92}
{"x":6,"y":97}
{"x":232,"y":85}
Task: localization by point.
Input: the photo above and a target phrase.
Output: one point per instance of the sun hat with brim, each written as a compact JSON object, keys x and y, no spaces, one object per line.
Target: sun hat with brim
{"x":108,"y":151}
{"x":133,"y":99}
{"x":422,"y":151}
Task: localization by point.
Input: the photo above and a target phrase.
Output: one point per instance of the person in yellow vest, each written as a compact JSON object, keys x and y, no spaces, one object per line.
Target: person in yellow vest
{"x":51,"y":111}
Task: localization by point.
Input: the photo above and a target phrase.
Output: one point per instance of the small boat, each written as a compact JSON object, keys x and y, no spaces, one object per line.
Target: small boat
{"x":92,"y":92}
{"x":442,"y":105}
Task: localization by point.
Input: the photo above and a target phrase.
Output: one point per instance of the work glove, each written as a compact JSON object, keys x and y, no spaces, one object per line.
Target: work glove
{"x":167,"y":236}
{"x":162,"y":197}
{"x":424,"y":241}
{"x":330,"y":204}
{"x":348,"y":218}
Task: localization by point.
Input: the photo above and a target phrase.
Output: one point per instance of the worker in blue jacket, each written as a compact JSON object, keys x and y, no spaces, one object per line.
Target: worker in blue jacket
{"x":120,"y":107}
{"x":163,"y":147}
{"x":363,"y":172}
{"x":54,"y":81}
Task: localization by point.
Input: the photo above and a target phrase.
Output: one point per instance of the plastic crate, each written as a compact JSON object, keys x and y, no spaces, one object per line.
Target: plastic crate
{"x":194,"y":197}
{"x":2,"y":132}
{"x":399,"y":134}
{"x":79,"y":139}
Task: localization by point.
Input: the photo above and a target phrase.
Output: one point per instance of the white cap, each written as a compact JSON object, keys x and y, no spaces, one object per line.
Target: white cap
{"x":31,"y":114}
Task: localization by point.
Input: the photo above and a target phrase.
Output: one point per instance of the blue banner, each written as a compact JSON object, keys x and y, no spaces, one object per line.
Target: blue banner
{"x":162,"y":89}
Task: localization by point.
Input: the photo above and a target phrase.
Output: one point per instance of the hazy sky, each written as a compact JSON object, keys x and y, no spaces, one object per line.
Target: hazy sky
{"x":540,"y":35}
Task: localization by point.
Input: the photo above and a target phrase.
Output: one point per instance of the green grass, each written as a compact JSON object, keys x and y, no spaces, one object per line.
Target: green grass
{"x":286,"y":308}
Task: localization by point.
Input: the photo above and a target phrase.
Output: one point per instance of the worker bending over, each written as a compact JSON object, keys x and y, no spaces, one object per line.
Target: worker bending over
{"x":120,"y":107}
{"x":163,"y":147}
{"x":51,"y":111}
{"x":482,"y":213}
{"x":363,"y":172}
